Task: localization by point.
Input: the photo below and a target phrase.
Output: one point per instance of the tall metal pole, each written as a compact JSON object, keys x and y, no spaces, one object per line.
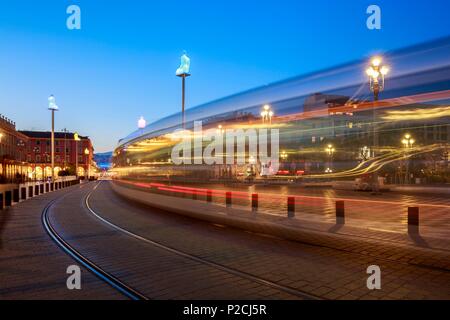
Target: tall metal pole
{"x":376,"y":93}
{"x":53,"y":146}
{"x":183,"y":91}
{"x":76,"y":158}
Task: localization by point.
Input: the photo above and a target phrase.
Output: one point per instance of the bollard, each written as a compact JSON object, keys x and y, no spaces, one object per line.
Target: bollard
{"x":340,"y":212}
{"x":291,"y":207}
{"x":254,"y":202}
{"x":36,"y":190}
{"x":228,"y":199}
{"x":8,"y":198}
{"x":16,"y":195}
{"x":47,"y":187}
{"x":60,"y":185}
{"x":30,"y":192}
{"x":1,"y":201}
{"x":209,"y":196}
{"x":41,"y":188}
{"x":52,"y":186}
{"x":23,"y":192}
{"x":413,"y":220}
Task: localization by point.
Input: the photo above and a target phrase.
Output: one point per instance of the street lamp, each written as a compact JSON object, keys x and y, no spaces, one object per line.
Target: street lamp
{"x":330,"y":150}
{"x":76,"y":137}
{"x":86,"y":152}
{"x":142,"y":123}
{"x":267,"y":113}
{"x":284,"y":155}
{"x":220,"y":129}
{"x":35,"y":150}
{"x":377,"y":73}
{"x":408,"y":143}
{"x":53,"y":107}
{"x":183,"y":73}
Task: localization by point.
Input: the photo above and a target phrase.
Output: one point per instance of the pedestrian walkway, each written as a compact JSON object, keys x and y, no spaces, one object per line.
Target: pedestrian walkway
{"x":32,"y":266}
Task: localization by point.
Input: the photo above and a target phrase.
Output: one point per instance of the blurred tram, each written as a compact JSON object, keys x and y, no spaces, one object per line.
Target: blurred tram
{"x":328,"y":123}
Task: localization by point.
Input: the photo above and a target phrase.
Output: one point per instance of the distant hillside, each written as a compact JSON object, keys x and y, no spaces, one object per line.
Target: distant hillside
{"x":103,"y":160}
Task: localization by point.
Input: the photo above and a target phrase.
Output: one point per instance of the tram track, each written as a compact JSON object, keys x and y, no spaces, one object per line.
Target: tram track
{"x":120,"y":284}
{"x":83,"y":260}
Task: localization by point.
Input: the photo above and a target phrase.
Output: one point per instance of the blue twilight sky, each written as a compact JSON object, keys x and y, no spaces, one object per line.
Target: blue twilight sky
{"x":121,"y":64}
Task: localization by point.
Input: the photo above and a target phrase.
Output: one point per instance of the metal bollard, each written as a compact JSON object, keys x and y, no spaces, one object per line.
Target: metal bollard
{"x":340,"y":212}
{"x":413,"y":220}
{"x":16,"y":195}
{"x":228,"y":199}
{"x":209,"y":196}
{"x":8,"y":198}
{"x":254,"y":202}
{"x":1,"y":201}
{"x":291,"y":207}
{"x":23,"y":192}
{"x":30,"y":192}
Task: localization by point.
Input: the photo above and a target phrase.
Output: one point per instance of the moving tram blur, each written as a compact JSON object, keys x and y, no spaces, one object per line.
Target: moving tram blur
{"x":326,"y":123}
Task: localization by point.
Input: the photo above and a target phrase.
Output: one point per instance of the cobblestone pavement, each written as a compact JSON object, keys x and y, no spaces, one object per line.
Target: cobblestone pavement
{"x":32,"y":266}
{"x":321,"y":271}
{"x":154,"y":272}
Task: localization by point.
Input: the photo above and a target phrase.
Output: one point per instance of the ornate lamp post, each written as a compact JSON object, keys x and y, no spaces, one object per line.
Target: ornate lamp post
{"x":408,"y":143}
{"x":267,"y":114}
{"x":220,"y":129}
{"x":377,"y":73}
{"x":330,"y":150}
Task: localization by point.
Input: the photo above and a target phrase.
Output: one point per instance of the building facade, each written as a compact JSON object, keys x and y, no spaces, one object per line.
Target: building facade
{"x":70,"y":155}
{"x":13,"y":166}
